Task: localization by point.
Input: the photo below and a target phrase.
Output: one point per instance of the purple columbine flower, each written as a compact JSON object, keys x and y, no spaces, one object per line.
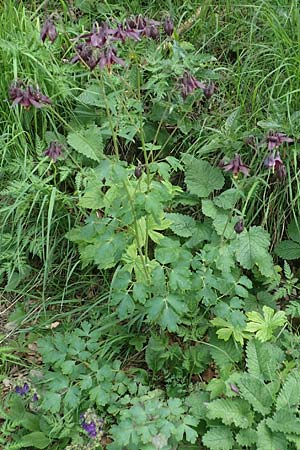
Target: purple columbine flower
{"x":168,"y":26}
{"x":121,"y":34}
{"x":276,"y":139}
{"x":27,"y":96}
{"x":48,"y":30}
{"x":209,"y":89}
{"x":275,"y":163}
{"x":235,"y":166}
{"x":86,"y":54}
{"x":109,"y":57}
{"x":190,"y":83}
{"x":54,"y":151}
{"x":22,"y":390}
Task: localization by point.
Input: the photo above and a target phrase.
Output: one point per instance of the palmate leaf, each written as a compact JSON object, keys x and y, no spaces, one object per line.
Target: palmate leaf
{"x":201,"y":178}
{"x":251,"y":249}
{"x":218,"y":438}
{"x":264,"y":326}
{"x":267,"y":439}
{"x":167,"y":311}
{"x":231,"y":411}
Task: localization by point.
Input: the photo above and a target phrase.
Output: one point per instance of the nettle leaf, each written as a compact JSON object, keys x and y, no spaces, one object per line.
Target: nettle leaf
{"x":182,"y":225}
{"x":227,"y":199}
{"x":267,"y":439}
{"x":264,"y":326}
{"x":251,"y":249}
{"x":256,"y":392}
{"x":218,"y":438}
{"x":231,"y":411}
{"x":285,"y":421}
{"x":201,"y":178}
{"x":259,"y":363}
{"x":289,"y":395}
{"x":288,"y":249}
{"x":88,"y":142}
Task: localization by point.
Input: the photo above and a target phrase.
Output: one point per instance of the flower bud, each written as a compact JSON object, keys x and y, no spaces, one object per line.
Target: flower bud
{"x":168,"y":26}
{"x":239,"y":227}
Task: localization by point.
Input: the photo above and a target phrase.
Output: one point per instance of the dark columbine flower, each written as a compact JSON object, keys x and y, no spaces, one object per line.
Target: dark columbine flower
{"x":239,"y":226}
{"x":109,"y":57}
{"x":189,"y":84}
{"x":235,"y":166}
{"x":99,"y":35}
{"x":168,"y":26}
{"x":48,"y":30}
{"x":54,"y":151}
{"x":22,"y":390}
{"x":121,"y":34}
{"x":27,"y":96}
{"x":274,"y":162}
{"x":86,"y":54}
{"x":209,"y":89}
{"x":276,"y":139}
{"x":92,"y":424}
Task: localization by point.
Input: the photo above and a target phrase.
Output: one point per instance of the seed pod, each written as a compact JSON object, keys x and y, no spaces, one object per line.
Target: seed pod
{"x":239,"y":227}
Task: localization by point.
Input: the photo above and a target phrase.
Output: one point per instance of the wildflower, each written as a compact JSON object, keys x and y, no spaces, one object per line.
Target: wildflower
{"x":109,"y":57}
{"x":92,"y":424}
{"x":276,"y":139}
{"x":275,"y":163}
{"x":35,"y":397}
{"x":22,"y":390}
{"x":189,"y":84}
{"x":121,"y":34}
{"x":138,"y":170}
{"x":54,"y":151}
{"x":239,"y":227}
{"x":168,"y":26}
{"x":99,"y":35}
{"x":235,"y":166}
{"x":209,"y":89}
{"x":86,"y":54}
{"x":48,"y":30}
{"x":27,"y":96}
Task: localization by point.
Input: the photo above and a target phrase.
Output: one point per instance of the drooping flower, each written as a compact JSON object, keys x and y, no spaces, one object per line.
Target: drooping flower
{"x":48,"y":30}
{"x":276,"y":139}
{"x":86,"y":54}
{"x":121,"y":34}
{"x":235,"y":166}
{"x":209,"y":89}
{"x":54,"y":151}
{"x":27,"y":96}
{"x":190,"y":83}
{"x":168,"y":26}
{"x":275,"y":163}
{"x":239,"y":226}
{"x":92,"y":424}
{"x":109,"y":57}
{"x":22,"y":390}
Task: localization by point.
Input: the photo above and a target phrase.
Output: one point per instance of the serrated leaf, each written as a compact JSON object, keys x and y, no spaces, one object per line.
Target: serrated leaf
{"x":251,"y":249}
{"x":256,"y":392}
{"x":92,"y":96}
{"x":294,"y":231}
{"x":88,"y":142}
{"x":246,"y":437}
{"x":289,"y":395}
{"x":51,"y":402}
{"x":288,"y":249}
{"x":267,"y":439}
{"x":182,"y":225}
{"x":264,"y":326}
{"x":218,"y":438}
{"x":227,"y":199}
{"x":231,"y":411}
{"x":201,"y":178}
{"x":284,"y":420}
{"x":259,"y":363}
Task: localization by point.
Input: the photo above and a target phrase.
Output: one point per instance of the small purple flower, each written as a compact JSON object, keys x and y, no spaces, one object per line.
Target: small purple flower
{"x":27,"y":96}
{"x":48,"y":30}
{"x":22,"y":390}
{"x":86,"y":54}
{"x":54,"y":151}
{"x":189,"y":84}
{"x":276,"y":139}
{"x":35,"y":397}
{"x":275,"y":163}
{"x":168,"y":26}
{"x":109,"y":57}
{"x":235,"y":166}
{"x":92,"y":424}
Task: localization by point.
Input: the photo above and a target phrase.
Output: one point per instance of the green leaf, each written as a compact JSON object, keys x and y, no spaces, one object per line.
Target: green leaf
{"x":294,"y":231}
{"x":285,"y":421}
{"x":231,"y":411}
{"x":72,"y":397}
{"x":259,"y":363}
{"x":256,"y":392}
{"x":156,"y":353}
{"x":218,"y":438}
{"x":92,"y":96}
{"x":182,"y":225}
{"x":37,"y":439}
{"x":201,"y":178}
{"x":51,"y":402}
{"x":227,"y":199}
{"x":289,"y":395}
{"x":265,"y":326}
{"x":251,"y":249}
{"x":288,"y":249}
{"x":88,"y":142}
{"x":246,"y":438}
{"x":266,"y":439}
